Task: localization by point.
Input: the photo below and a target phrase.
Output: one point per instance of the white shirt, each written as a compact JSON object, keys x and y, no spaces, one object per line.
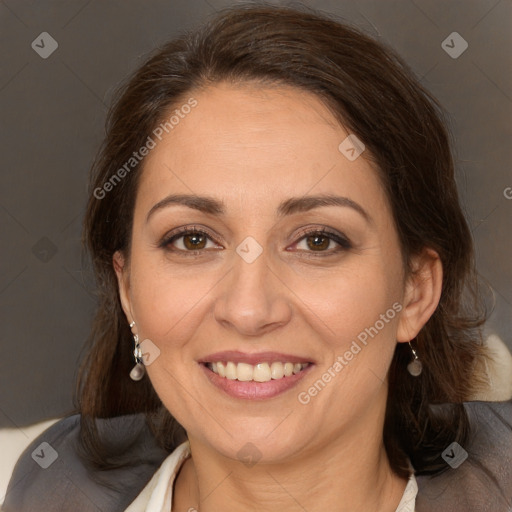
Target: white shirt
{"x":157,"y":495}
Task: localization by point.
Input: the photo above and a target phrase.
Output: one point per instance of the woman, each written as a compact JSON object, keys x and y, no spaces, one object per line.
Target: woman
{"x":280,"y":251}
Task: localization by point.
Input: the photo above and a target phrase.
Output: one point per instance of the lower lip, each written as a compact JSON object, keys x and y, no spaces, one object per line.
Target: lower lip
{"x":254,"y":390}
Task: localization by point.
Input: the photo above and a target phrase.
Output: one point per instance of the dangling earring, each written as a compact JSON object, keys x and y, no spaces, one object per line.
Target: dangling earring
{"x":414,"y":367}
{"x":138,"y":370}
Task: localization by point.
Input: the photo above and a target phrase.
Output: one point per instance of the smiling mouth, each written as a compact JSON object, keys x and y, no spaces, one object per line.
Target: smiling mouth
{"x":261,"y":372}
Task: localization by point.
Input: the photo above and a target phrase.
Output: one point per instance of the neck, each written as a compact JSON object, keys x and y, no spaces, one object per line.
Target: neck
{"x":350,"y":474}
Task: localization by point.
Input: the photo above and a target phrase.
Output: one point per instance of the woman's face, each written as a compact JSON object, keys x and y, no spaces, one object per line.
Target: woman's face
{"x":281,"y":275}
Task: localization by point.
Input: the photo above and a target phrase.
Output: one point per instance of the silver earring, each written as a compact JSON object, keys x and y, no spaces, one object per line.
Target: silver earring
{"x":414,"y":367}
{"x":138,"y":370}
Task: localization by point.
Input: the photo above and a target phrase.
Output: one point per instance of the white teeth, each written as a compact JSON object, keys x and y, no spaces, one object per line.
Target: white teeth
{"x":231,"y":371}
{"x":221,"y":369}
{"x":261,"y":372}
{"x":244,"y":372}
{"x":276,"y":370}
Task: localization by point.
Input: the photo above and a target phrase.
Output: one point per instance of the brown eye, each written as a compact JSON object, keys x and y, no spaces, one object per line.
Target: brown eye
{"x":322,"y":242}
{"x":194,"y":241}
{"x":318,"y":242}
{"x":189,"y":240}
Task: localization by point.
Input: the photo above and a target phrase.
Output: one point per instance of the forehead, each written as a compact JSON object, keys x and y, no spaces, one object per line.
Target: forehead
{"x":254,"y":142}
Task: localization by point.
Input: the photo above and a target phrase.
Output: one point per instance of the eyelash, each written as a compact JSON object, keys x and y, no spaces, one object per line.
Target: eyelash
{"x":343,"y":242}
{"x":181,"y":232}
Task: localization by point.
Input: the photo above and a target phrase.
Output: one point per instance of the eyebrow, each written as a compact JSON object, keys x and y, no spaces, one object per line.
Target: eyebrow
{"x":293,"y":205}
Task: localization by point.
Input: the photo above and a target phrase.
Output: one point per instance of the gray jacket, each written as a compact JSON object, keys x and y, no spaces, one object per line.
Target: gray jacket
{"x":482,"y":483}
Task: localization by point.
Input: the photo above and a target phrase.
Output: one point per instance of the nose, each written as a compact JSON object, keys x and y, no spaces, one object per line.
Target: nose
{"x":253,"y":300}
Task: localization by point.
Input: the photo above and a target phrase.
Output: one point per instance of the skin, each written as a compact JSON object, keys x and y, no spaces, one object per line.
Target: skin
{"x":252,"y":148}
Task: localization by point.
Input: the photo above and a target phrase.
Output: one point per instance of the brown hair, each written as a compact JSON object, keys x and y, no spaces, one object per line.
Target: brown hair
{"x":373,"y":94}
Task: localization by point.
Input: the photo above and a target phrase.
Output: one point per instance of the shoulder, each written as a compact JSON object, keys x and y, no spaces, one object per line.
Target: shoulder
{"x":50,"y":475}
{"x":483,"y":481}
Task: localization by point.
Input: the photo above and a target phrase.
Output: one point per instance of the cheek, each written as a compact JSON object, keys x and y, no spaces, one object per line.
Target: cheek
{"x":164,"y":302}
{"x":347,"y":302}
{"x":356,"y":318}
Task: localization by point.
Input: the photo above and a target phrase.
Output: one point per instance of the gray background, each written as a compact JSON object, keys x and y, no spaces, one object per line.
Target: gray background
{"x":53,"y":112}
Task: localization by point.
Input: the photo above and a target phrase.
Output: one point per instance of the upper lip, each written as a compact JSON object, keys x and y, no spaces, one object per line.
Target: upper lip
{"x":259,"y":357}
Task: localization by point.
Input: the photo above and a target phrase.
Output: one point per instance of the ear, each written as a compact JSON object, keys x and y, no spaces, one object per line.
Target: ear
{"x":123,"y":280}
{"x":422,"y":293}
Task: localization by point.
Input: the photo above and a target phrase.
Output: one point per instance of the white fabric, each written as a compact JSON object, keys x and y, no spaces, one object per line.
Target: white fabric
{"x":157,"y":495}
{"x":408,"y":500}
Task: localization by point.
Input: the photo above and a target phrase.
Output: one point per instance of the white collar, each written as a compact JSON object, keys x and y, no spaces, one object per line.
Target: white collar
{"x":157,"y":495}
